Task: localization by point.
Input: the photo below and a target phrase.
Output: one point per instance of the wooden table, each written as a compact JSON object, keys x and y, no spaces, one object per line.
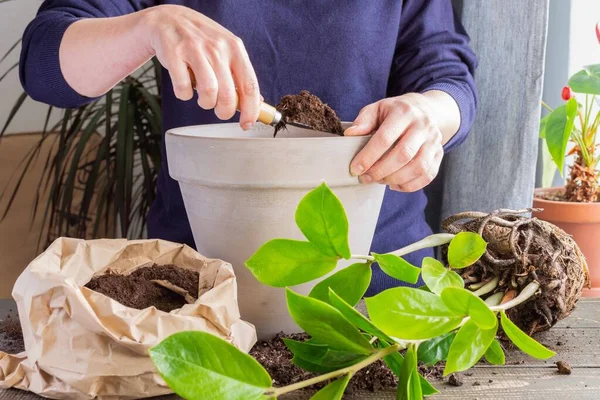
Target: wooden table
{"x":526,"y":378}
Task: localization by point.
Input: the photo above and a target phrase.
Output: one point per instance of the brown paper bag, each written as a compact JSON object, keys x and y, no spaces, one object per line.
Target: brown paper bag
{"x":83,"y":345}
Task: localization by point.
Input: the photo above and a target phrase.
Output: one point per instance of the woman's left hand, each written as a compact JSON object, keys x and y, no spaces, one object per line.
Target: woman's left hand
{"x":406,"y":150}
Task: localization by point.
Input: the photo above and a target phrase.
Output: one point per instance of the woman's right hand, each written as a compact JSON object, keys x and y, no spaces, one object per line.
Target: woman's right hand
{"x":181,"y":38}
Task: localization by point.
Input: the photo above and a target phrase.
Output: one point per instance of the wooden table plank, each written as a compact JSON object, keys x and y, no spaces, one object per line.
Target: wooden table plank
{"x":534,"y":379}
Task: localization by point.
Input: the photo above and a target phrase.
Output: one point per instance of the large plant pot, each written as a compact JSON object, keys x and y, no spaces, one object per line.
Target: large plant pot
{"x":241,"y":189}
{"x":582,"y":222}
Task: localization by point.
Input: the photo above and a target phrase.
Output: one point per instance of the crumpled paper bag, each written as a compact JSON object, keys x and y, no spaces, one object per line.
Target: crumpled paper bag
{"x":83,"y":345}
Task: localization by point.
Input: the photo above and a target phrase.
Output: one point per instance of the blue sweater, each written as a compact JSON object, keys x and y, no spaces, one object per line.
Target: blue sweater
{"x":349,"y":53}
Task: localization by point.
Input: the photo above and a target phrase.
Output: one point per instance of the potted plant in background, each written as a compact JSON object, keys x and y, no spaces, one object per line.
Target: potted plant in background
{"x":576,"y":207}
{"x":99,"y":177}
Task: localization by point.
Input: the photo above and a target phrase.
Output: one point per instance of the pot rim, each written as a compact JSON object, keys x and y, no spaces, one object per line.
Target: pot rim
{"x":566,"y":203}
{"x":192,"y":131}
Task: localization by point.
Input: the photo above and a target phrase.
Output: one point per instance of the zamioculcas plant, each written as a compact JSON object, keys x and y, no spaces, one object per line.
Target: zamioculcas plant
{"x":442,"y":321}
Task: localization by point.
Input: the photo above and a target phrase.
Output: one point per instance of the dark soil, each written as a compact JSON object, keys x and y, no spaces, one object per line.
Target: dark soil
{"x":522,"y":250}
{"x":563,"y":368}
{"x":307,"y":109}
{"x":456,"y":380}
{"x":11,"y":335}
{"x":137,"y":290}
{"x":277,"y":360}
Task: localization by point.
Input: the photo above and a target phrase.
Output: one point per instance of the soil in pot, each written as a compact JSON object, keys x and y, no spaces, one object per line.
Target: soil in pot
{"x":307,"y":109}
{"x":140,"y":289}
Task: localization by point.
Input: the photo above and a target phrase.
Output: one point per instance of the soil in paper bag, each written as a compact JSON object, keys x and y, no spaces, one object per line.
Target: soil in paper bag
{"x":137,"y":290}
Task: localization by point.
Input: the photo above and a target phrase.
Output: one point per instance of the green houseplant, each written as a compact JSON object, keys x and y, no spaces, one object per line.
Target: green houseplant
{"x":576,"y":207}
{"x":99,"y":178}
{"x":443,"y":315}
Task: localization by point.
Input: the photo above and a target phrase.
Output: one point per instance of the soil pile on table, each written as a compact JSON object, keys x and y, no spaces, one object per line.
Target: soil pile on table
{"x":307,"y":109}
{"x":276,"y":358}
{"x":522,"y":250}
{"x":137,"y":290}
{"x":11,"y":335}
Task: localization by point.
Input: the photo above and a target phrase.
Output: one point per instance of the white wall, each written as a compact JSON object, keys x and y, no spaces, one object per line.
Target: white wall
{"x":14,"y":16}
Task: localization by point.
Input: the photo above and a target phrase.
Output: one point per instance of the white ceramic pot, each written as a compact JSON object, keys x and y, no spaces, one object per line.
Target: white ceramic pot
{"x":241,"y":189}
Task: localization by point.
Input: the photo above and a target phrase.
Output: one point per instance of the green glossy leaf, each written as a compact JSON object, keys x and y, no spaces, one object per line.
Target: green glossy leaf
{"x":329,"y":364}
{"x":411,"y":314}
{"x":469,"y":345}
{"x":312,"y":367}
{"x":307,"y":351}
{"x":494,"y":354}
{"x":397,"y":267}
{"x":523,"y":341}
{"x":326,"y":324}
{"x":192,"y":365}
{"x":463,"y":301}
{"x":586,"y":80}
{"x":355,"y":317}
{"x":465,"y":249}
{"x":558,"y":131}
{"x":334,"y":390}
{"x":437,"y":277}
{"x":435,"y":349}
{"x":394,"y":362}
{"x":543,"y":123}
{"x":286,"y":262}
{"x":351,"y":282}
{"x":322,"y":219}
{"x":339,"y":359}
{"x":427,"y":389}
{"x":409,"y":384}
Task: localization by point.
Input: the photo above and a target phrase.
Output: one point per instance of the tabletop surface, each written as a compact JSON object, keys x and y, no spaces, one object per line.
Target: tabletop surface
{"x":575,"y":339}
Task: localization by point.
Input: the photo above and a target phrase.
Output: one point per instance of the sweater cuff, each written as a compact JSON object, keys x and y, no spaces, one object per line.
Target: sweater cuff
{"x":466,"y":106}
{"x":43,"y":73}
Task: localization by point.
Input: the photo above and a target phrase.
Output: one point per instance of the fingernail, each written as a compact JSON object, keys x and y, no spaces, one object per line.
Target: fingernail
{"x":365,"y":178}
{"x":247,"y":126}
{"x":356,"y":169}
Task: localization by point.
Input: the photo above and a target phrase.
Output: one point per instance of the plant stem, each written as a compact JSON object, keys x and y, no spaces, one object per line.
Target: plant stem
{"x":488,"y":287}
{"x":434,"y":240}
{"x":546,"y":106}
{"x":335,"y":374}
{"x":525,"y":294}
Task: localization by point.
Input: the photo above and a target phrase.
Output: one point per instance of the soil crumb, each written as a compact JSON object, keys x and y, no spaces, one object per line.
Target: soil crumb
{"x":277,"y":360}
{"x":306,"y":108}
{"x":456,"y":380}
{"x":563,"y":368}
{"x":137,"y":290}
{"x":11,"y":335}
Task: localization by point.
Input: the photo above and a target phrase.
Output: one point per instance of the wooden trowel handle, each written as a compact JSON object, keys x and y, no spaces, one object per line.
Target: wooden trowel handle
{"x":268,"y":114}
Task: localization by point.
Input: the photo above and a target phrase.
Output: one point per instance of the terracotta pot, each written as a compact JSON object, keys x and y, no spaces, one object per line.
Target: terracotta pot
{"x":582,"y":222}
{"x":241,"y":189}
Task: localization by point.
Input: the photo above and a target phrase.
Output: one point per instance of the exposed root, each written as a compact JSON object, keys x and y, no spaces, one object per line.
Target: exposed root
{"x":522,"y":250}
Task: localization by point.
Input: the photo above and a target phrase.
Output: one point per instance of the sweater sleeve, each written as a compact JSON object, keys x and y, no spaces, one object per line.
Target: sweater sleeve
{"x":432,"y":53}
{"x":39,"y":67}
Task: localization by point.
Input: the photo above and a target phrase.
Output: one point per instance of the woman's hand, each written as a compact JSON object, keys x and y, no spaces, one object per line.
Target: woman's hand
{"x":181,"y":38}
{"x":406,"y":150}
{"x":97,"y":53}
